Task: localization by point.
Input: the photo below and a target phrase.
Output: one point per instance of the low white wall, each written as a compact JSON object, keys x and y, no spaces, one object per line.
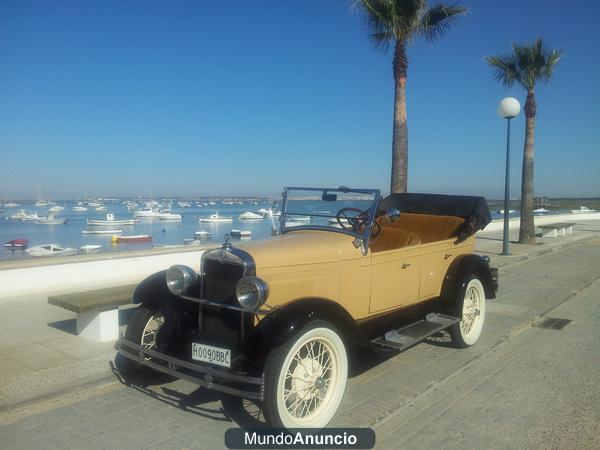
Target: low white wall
{"x":74,"y":277}
{"x":498,"y":225}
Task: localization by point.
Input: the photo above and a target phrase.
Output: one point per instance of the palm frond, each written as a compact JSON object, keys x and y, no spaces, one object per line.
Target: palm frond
{"x":436,"y":21}
{"x":387,"y":21}
{"x":528,"y":64}
{"x":377,"y":20}
{"x":506,"y":69}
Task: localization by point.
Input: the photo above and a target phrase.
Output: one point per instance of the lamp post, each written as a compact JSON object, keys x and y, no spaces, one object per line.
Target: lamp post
{"x":509,"y":108}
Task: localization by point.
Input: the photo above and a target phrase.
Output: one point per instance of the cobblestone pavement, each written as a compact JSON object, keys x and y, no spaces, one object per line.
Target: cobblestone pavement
{"x":430,"y":396}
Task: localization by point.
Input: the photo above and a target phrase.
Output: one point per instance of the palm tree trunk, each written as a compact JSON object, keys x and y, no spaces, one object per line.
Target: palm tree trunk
{"x":527,"y":228}
{"x":400,"y":135}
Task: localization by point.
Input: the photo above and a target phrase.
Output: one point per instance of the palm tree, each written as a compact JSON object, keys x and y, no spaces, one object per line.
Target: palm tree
{"x":400,"y":22}
{"x":526,"y":65}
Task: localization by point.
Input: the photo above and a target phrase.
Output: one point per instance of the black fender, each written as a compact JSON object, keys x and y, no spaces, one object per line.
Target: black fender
{"x":179,"y":315}
{"x":283,"y":323}
{"x":458,"y":275}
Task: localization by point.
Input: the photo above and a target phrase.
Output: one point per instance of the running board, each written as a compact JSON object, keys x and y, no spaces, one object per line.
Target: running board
{"x":414,"y":333}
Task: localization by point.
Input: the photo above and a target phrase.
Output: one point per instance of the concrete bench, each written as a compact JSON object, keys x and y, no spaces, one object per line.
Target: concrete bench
{"x":97,"y":311}
{"x":554,"y":229}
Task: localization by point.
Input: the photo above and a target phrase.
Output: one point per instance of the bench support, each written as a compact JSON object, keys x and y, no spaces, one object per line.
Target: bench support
{"x":99,"y":326}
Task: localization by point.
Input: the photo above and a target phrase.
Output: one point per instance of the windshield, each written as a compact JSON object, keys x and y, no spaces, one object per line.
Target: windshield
{"x":344,"y":210}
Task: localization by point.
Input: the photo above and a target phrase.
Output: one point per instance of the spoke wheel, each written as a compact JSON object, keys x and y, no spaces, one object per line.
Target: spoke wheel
{"x":306,"y":379}
{"x":472,"y":307}
{"x":150,"y":332}
{"x":143,"y":327}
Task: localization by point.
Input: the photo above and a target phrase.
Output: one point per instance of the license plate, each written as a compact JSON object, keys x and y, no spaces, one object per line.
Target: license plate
{"x":210,"y":354}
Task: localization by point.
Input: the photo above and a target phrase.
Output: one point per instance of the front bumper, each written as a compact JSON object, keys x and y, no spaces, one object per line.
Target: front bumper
{"x":204,"y":375}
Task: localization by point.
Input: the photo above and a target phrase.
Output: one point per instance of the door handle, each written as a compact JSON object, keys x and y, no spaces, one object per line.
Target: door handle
{"x":405,"y":265}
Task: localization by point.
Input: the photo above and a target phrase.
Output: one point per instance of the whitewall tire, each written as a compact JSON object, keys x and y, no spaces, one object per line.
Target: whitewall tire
{"x":472,"y":309}
{"x":305,"y":378}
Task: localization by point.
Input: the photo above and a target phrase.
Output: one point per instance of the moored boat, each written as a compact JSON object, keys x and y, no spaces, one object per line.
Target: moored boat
{"x":583,"y":210}
{"x":25,"y":216}
{"x":149,"y":213}
{"x":79,"y":208}
{"x":16,"y":244}
{"x":240,"y":233}
{"x":50,"y":220}
{"x":111,"y":221}
{"x":215,"y":218}
{"x":173,"y":217}
{"x":102,"y":231}
{"x":250,"y":216}
{"x":131,"y":238}
{"x":56,"y":208}
{"x":50,"y":250}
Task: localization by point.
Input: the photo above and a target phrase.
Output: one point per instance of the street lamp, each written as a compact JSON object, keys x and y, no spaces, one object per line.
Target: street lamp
{"x":509,"y":108}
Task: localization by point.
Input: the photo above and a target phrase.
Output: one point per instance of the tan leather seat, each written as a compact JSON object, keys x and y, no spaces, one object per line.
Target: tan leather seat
{"x":429,"y":227}
{"x":391,"y":238}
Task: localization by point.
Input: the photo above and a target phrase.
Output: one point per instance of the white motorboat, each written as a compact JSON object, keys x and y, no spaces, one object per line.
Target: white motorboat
{"x":79,"y":208}
{"x":24,"y":216}
{"x":88,"y":249}
{"x":172,"y":217}
{"x":202,"y":234}
{"x":111,"y":221}
{"x":583,"y":210}
{"x":100,"y":208}
{"x":11,"y":205}
{"x":540,"y":210}
{"x":50,"y":250}
{"x":42,"y":203}
{"x":250,"y":216}
{"x":215,"y":218}
{"x":50,"y":220}
{"x":240,"y":233}
{"x":56,"y":208}
{"x":149,"y":213}
{"x":102,"y":231}
{"x":263,"y":211}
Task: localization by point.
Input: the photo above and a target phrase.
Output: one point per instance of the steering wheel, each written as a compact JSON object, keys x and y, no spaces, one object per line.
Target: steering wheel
{"x":355,"y":222}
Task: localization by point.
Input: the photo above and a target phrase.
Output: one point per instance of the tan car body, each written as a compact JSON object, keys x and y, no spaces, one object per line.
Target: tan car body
{"x":316,"y":264}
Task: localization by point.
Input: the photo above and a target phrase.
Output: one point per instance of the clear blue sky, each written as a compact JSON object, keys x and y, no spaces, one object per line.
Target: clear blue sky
{"x":243,"y":97}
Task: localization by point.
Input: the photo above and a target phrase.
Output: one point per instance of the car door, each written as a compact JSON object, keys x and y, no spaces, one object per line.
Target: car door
{"x":395,"y":278}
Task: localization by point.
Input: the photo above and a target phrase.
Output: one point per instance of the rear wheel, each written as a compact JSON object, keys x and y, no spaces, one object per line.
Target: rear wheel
{"x":305,"y":378}
{"x":472,"y":307}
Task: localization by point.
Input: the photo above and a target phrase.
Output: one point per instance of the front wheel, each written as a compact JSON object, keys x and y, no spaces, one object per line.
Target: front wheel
{"x":305,"y":378}
{"x":143,"y":328}
{"x":472,"y":307}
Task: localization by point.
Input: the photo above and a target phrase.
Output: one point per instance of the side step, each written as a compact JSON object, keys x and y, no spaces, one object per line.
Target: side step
{"x":414,"y":333}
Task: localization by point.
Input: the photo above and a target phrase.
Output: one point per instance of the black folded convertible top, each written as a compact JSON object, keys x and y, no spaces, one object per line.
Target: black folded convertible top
{"x":473,"y":209}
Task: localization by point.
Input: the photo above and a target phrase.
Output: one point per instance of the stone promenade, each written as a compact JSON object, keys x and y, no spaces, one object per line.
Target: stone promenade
{"x":519,"y":387}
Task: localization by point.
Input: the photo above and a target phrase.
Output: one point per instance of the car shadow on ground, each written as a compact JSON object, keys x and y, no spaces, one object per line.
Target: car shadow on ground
{"x":203,"y":402}
{"x":245,"y":413}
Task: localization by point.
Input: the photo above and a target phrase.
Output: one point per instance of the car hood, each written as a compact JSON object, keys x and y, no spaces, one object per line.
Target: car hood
{"x":299,"y":248}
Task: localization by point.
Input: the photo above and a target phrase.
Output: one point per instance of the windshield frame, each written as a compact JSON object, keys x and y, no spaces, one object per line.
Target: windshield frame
{"x":365,"y":237}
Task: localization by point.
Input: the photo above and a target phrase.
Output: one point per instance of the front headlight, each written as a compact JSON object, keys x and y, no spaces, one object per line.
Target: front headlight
{"x":180,"y":278}
{"x":252,"y":292}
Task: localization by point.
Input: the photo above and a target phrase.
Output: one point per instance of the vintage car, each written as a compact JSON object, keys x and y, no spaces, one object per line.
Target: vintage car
{"x":277,"y":320}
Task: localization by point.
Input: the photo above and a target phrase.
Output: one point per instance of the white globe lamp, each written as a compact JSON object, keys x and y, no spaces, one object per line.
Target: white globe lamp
{"x":509,"y":108}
